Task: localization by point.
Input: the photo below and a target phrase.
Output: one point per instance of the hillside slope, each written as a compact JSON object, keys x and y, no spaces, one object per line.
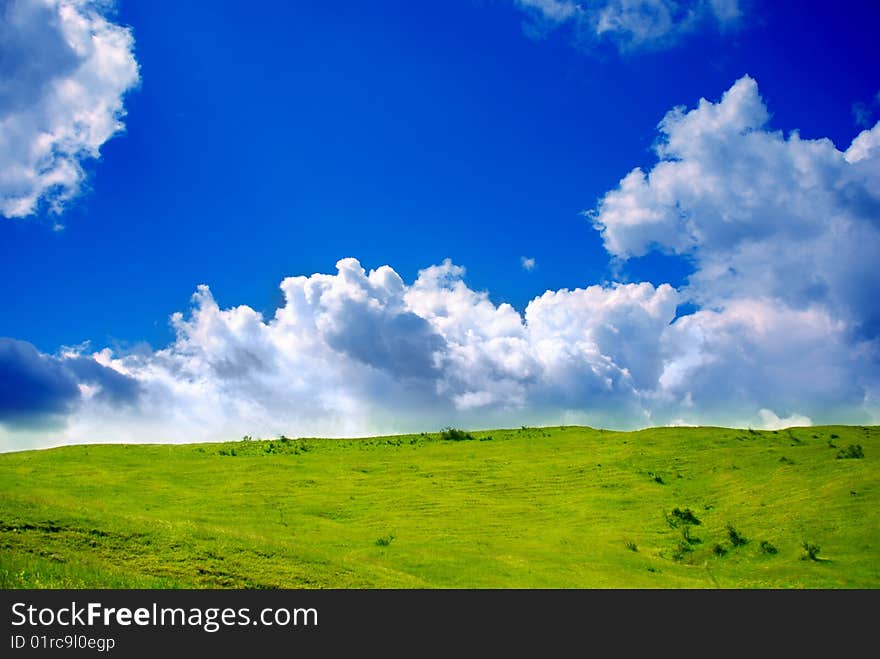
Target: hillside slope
{"x":534,"y":507}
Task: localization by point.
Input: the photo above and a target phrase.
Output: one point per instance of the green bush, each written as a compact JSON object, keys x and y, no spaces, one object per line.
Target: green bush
{"x":811,"y":551}
{"x":679,"y":516}
{"x":768,"y":548}
{"x":384,"y":541}
{"x":455,"y":435}
{"x":736,"y":538}
{"x":853,"y":451}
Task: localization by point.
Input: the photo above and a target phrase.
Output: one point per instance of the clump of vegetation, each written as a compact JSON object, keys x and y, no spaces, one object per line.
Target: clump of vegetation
{"x":786,"y":461}
{"x":681,"y":550}
{"x":737,"y":539}
{"x":227,"y":452}
{"x":768,"y":548}
{"x":384,"y":541}
{"x":631,"y":545}
{"x":678,"y":517}
{"x":851,"y":452}
{"x":657,"y":478}
{"x":247,"y":438}
{"x":687,"y":537}
{"x":811,"y":551}
{"x":719,"y":550}
{"x":487,"y":438}
{"x":455,"y":435}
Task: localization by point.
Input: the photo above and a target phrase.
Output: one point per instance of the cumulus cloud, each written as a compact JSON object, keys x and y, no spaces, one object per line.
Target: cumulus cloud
{"x":64,"y":70}
{"x":39,"y":391}
{"x":629,"y":24}
{"x":359,"y":352}
{"x":783,"y":236}
{"x":761,"y":214}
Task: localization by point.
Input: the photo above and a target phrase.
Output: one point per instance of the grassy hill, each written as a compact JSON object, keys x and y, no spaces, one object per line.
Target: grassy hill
{"x":534,"y":507}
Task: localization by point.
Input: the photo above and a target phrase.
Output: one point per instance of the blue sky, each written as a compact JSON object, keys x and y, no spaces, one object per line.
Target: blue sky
{"x":259,"y":145}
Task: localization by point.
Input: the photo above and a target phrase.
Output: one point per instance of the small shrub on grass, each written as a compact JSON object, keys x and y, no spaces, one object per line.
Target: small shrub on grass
{"x":851,"y":452}
{"x":384,"y":541}
{"x":719,"y":550}
{"x":455,"y":435}
{"x":631,"y":545}
{"x":737,"y":539}
{"x":681,"y":550}
{"x":679,"y":516}
{"x":687,"y":537}
{"x":811,"y":552}
{"x":768,"y":548}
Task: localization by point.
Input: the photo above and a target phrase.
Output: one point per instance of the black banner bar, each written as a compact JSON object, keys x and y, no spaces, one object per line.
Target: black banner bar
{"x":282,"y":623}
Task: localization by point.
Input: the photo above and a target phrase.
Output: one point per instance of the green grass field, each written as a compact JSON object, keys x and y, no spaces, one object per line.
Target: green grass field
{"x":529,"y":508}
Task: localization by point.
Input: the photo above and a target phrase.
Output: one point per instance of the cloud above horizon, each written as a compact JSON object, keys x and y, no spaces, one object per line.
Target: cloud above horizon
{"x":783,"y":235}
{"x":64,"y":71}
{"x":628,"y":24}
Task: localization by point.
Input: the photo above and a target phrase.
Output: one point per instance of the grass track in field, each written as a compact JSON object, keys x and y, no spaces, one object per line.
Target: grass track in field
{"x":534,"y":507}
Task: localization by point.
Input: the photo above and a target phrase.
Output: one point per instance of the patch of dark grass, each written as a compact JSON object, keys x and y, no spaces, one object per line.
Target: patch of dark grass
{"x":629,"y":544}
{"x":851,"y":452}
{"x":682,"y":549}
{"x":719,"y":550}
{"x":384,"y":541}
{"x":811,"y":552}
{"x":737,"y":539}
{"x":687,"y":537}
{"x":768,"y":548}
{"x":678,"y":517}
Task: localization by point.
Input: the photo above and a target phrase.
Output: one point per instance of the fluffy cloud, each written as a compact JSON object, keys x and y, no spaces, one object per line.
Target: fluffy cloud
{"x":64,"y":69}
{"x":360,"y":352}
{"x":761,"y":214}
{"x":783,"y":235}
{"x":39,"y":391}
{"x":784,"y":238}
{"x":629,"y":24}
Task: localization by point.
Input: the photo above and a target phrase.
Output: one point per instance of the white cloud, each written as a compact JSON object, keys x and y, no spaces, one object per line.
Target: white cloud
{"x":762,"y":214}
{"x":360,"y":352}
{"x":552,"y":10}
{"x":783,"y":235}
{"x":770,"y":421}
{"x":528,"y":264}
{"x":64,"y":69}
{"x":629,"y":24}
